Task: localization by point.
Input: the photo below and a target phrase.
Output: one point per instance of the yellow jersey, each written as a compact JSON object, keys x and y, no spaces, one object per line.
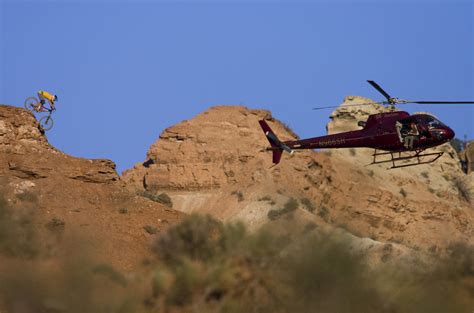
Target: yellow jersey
{"x":46,"y":95}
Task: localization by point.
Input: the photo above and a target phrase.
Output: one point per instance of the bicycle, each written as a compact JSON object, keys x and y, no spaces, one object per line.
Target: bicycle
{"x":32,"y":104}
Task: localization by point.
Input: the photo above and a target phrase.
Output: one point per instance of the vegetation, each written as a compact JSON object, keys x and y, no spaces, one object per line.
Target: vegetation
{"x":457,"y":144}
{"x":56,"y":224}
{"x":290,"y":206}
{"x":162,"y":198}
{"x":123,"y":211}
{"x":463,"y":189}
{"x":223,"y":268}
{"x":152,"y":230}
{"x":265,"y":198}
{"x":239,"y":195}
{"x":203,"y":265}
{"x":308,"y":204}
{"x":403,"y":193}
{"x":290,"y":130}
{"x":324,"y":213}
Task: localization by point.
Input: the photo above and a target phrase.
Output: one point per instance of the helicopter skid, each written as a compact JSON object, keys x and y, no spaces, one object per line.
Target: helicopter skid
{"x":417,"y":156}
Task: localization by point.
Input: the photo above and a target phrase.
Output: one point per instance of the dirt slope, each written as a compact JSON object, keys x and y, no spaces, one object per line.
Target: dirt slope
{"x":88,"y":196}
{"x":216,"y":163}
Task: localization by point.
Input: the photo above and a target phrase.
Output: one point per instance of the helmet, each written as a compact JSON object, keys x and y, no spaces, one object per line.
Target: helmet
{"x":55,"y":98}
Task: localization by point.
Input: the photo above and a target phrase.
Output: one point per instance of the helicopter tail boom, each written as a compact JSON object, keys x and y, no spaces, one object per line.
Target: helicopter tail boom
{"x":277,"y":147}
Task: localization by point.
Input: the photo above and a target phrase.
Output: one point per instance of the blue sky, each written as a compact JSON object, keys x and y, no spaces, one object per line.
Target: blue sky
{"x":124,"y":71}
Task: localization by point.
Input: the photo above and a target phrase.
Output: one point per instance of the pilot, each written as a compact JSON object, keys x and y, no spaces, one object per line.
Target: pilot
{"x":411,"y":136}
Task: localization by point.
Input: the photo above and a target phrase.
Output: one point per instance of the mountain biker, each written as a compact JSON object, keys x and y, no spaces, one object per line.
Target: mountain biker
{"x":43,"y":96}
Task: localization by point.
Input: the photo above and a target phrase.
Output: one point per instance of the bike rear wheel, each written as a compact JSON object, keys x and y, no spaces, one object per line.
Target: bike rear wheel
{"x":46,"y":122}
{"x":31,"y":103}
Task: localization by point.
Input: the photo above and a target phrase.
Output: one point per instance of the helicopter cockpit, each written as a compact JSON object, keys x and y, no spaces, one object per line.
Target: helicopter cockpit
{"x":430,"y":121}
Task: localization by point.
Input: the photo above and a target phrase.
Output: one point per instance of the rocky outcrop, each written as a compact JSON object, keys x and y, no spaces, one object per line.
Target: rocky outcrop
{"x":216,"y":163}
{"x":208,"y":152}
{"x":467,"y":156}
{"x":86,"y":195}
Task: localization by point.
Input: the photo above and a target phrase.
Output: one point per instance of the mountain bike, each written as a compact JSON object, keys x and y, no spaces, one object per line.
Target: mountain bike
{"x":32,"y":104}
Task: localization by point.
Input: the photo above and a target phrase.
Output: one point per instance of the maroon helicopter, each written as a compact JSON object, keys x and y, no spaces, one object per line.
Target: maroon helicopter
{"x":398,"y":134}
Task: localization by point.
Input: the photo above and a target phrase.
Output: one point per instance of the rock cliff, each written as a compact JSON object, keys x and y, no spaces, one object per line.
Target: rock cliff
{"x":80,"y":196}
{"x":216,"y":163}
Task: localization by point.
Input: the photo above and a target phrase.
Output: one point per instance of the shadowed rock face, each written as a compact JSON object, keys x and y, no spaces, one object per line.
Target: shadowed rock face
{"x":86,"y":195}
{"x":467,"y":155}
{"x":216,"y":163}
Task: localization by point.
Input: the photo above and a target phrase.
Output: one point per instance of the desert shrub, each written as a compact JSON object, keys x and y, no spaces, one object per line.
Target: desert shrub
{"x":308,"y":204}
{"x":239,"y":195}
{"x":108,"y":271}
{"x":461,"y":260}
{"x":34,"y":280}
{"x":352,"y":151}
{"x":324,"y":213}
{"x":290,"y":206}
{"x":56,"y":224}
{"x":123,"y":211}
{"x":194,"y":238}
{"x":186,"y":279}
{"x":290,"y":130}
{"x":463,"y":189}
{"x":425,"y":174}
{"x":457,"y":144}
{"x":403,"y":193}
{"x":152,"y":230}
{"x":265,"y":198}
{"x":298,"y":270}
{"x":17,"y":237}
{"x":27,"y":196}
{"x":162,"y":198}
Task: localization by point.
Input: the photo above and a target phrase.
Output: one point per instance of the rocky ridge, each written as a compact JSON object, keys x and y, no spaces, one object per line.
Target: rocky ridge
{"x":81,"y":196}
{"x":216,"y":163}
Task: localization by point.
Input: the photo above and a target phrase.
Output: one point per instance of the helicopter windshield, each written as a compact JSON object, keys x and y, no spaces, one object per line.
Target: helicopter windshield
{"x":430,"y":121}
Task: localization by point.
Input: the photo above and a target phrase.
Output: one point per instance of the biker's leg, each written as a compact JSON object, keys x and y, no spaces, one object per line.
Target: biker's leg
{"x":40,"y":105}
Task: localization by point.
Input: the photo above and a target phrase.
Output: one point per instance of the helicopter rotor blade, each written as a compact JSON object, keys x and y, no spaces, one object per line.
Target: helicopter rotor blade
{"x":383,"y":92}
{"x":349,"y":105}
{"x":441,"y":102}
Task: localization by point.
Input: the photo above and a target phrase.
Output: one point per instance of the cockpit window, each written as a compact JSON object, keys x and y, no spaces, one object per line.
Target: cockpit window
{"x":431,"y":121}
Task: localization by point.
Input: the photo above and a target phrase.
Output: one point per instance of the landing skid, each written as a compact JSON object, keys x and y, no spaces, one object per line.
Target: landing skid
{"x":416,"y":155}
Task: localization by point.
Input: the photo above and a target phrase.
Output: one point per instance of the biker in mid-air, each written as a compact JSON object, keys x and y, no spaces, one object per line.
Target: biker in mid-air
{"x":43,"y":96}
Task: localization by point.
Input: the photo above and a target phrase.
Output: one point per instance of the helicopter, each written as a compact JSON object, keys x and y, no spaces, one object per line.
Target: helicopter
{"x":401,"y":137}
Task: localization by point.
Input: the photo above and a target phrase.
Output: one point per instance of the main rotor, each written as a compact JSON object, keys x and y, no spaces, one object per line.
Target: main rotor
{"x":391,"y":102}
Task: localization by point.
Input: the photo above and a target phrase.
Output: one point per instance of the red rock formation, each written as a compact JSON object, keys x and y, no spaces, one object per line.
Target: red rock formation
{"x":87,"y":195}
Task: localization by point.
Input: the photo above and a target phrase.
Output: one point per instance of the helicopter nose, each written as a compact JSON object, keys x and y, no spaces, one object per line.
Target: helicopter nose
{"x":449,"y":133}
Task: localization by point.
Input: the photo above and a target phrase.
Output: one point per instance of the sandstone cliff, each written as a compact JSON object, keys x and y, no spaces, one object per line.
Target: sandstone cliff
{"x":217,"y":163}
{"x":73,"y":197}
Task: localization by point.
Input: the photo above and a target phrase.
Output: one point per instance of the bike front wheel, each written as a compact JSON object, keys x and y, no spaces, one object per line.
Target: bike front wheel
{"x":46,"y":122}
{"x":31,"y":103}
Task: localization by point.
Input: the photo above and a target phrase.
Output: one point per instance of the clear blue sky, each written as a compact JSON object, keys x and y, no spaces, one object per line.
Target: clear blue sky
{"x":124,"y":71}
